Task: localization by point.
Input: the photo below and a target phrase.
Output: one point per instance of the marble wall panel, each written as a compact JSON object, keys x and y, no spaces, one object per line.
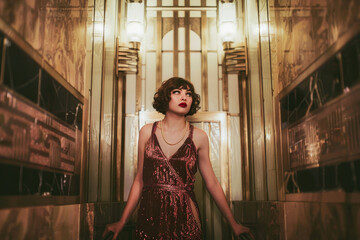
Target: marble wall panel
{"x":303,"y":30}
{"x":46,"y":222}
{"x":266,"y":219}
{"x":95,"y":216}
{"x":322,"y":220}
{"x":56,"y":30}
{"x":299,"y":220}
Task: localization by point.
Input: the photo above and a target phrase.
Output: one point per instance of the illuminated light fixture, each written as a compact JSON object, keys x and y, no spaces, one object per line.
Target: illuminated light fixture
{"x":227,"y":21}
{"x":128,"y":56}
{"x":235,"y":54}
{"x":135,"y":21}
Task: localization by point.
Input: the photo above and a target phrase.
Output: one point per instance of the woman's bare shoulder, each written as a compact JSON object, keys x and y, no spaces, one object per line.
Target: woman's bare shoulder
{"x":200,"y":137}
{"x":145,"y":131}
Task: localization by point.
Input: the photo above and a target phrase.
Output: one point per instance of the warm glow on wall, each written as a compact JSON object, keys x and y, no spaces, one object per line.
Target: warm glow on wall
{"x":135,"y":21}
{"x":227,"y":21}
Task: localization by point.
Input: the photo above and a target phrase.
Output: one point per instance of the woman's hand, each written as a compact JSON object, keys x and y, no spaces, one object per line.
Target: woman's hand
{"x":240,"y":229}
{"x":115,"y":228}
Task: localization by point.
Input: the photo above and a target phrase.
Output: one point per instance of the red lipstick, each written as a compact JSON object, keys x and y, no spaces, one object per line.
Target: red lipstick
{"x":183,"y":105}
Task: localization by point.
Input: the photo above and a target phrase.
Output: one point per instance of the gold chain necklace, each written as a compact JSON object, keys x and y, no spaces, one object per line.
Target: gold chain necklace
{"x":172,"y":144}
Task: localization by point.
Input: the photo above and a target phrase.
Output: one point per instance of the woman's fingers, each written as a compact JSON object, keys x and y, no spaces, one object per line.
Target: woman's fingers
{"x":105,"y":232}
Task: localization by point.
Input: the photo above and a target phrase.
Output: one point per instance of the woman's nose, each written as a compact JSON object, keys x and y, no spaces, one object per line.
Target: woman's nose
{"x":183,"y":96}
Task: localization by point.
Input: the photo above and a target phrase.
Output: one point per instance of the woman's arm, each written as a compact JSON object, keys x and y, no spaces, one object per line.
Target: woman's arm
{"x":213,"y":185}
{"x":136,"y":188}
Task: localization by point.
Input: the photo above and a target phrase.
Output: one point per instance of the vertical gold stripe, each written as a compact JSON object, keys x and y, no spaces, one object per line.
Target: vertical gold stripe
{"x":176,"y":41}
{"x":244,"y":137}
{"x":187,"y":42}
{"x":84,"y":183}
{"x":39,"y":85}
{"x":204,"y":85}
{"x":119,"y":124}
{"x":138,"y":84}
{"x":225,"y":90}
{"x":158,"y":47}
{"x":2,"y":70}
{"x":120,"y":134}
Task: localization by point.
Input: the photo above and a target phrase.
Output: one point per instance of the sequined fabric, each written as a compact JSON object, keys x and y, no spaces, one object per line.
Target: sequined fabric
{"x":168,"y":207}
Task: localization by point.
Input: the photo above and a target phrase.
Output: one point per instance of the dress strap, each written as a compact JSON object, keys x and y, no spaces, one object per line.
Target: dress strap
{"x":154,"y":128}
{"x":191,"y":131}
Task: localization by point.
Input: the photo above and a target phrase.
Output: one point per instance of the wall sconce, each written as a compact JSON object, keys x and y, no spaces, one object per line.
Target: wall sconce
{"x":135,"y":21}
{"x":235,"y":58}
{"x":227,"y":21}
{"x":128,"y":57}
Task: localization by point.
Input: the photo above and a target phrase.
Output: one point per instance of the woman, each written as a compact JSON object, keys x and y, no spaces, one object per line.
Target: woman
{"x":170,"y":151}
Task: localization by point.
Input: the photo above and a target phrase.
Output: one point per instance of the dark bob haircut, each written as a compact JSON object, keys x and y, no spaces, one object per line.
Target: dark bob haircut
{"x":162,"y":96}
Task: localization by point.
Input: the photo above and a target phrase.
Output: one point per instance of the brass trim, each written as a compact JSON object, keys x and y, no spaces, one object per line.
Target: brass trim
{"x":279,"y":151}
{"x":84,"y":153}
{"x":176,"y":42}
{"x":129,"y":115}
{"x":158,"y":48}
{"x":225,"y":92}
{"x":235,"y":58}
{"x":187,"y":44}
{"x":18,"y":40}
{"x":204,"y":82}
{"x":127,"y":59}
{"x":120,"y":137}
{"x":245,"y":168}
{"x":139,"y":84}
{"x":180,"y":8}
{"x":2,"y":69}
{"x":262,"y":124}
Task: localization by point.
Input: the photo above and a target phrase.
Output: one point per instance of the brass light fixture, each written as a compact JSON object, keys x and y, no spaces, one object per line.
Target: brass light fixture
{"x":128,"y":57}
{"x":235,"y":58}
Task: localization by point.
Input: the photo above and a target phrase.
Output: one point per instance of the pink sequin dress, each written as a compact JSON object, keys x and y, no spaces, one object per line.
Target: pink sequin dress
{"x":168,"y":209}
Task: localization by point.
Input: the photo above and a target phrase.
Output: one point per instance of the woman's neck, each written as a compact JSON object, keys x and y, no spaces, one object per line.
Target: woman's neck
{"x":174,"y":121}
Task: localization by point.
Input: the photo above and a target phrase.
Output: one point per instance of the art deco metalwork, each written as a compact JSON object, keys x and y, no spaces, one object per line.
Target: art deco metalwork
{"x":235,"y":59}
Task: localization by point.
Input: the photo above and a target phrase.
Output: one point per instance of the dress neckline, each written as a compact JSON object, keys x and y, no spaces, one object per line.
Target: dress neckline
{"x":182,"y":145}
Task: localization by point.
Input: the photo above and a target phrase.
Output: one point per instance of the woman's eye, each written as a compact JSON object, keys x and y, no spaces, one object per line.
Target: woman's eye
{"x":189,"y":94}
{"x":176,"y":92}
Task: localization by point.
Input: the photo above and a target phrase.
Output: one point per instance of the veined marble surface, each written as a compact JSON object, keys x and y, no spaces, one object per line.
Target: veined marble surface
{"x":45,"y":222}
{"x":301,"y":31}
{"x":56,"y":30}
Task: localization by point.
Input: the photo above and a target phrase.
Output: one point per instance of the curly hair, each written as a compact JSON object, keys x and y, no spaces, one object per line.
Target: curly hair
{"x":162,"y":96}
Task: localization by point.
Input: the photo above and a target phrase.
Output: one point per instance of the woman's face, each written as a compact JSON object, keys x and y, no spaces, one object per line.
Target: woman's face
{"x":180,"y":101}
